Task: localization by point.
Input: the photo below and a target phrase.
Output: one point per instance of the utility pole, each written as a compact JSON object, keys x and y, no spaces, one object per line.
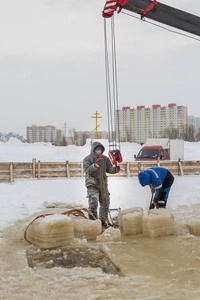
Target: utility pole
{"x":65,"y":128}
{"x":96,"y":117}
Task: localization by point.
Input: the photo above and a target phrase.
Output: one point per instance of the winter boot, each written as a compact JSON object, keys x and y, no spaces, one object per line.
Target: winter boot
{"x":104,"y":224}
{"x":161,"y":204}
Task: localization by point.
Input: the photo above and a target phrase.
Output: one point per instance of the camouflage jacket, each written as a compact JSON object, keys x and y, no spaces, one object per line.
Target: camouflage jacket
{"x":96,"y":177}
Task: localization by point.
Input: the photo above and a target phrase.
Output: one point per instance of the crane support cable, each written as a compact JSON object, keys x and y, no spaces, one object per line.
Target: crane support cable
{"x":112,"y":98}
{"x":115,"y":86}
{"x":108,"y":92}
{"x":111,"y":85}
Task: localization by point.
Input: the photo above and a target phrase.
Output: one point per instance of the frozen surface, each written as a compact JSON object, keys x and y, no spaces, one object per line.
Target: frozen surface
{"x":150,"y":267}
{"x":134,"y":268}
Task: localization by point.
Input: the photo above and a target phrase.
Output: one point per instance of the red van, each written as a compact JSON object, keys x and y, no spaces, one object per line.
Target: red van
{"x":152,"y":153}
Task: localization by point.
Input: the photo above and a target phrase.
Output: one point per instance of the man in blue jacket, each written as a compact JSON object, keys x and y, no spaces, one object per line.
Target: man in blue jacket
{"x":160,"y":180}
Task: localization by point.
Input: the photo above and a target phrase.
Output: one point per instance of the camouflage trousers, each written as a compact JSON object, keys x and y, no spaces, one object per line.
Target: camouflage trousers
{"x":95,"y":196}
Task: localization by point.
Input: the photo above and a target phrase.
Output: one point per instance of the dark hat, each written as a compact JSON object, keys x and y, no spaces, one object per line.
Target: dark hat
{"x":99,"y":147}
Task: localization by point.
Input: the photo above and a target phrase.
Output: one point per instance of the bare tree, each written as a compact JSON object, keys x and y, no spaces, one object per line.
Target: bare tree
{"x":129,"y":135}
{"x":190,"y":133}
{"x":172,"y":133}
{"x":197,"y":137}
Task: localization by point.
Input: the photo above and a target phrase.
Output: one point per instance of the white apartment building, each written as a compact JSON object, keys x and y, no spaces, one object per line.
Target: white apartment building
{"x":45,"y":134}
{"x":137,"y":124}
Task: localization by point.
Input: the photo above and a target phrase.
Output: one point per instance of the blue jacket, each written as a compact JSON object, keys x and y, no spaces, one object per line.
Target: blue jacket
{"x":153,"y":177}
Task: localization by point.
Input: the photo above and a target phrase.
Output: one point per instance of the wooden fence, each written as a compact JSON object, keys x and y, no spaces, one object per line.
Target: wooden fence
{"x":11,"y":171}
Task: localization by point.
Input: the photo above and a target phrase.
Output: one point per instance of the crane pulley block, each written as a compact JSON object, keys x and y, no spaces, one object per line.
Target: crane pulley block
{"x":115,"y":157}
{"x":111,"y":6}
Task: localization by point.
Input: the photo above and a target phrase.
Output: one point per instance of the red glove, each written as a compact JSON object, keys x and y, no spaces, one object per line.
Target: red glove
{"x":98,"y":162}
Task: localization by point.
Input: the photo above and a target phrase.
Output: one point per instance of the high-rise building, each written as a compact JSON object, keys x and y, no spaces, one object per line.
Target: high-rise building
{"x":44,"y":134}
{"x":137,"y":124}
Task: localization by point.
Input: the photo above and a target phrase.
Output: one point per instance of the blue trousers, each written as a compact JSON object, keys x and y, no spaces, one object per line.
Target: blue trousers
{"x":164,"y":195}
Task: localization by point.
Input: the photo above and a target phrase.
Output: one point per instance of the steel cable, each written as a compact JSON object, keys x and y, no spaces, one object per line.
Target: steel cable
{"x":112,"y":101}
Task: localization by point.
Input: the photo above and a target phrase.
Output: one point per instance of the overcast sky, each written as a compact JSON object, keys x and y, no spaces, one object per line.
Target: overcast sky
{"x":52,"y":63}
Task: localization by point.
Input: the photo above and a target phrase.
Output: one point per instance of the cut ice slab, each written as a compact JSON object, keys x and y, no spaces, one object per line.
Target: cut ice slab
{"x":51,"y":231}
{"x":132,"y":223}
{"x":110,"y":235}
{"x":70,"y":257}
{"x":159,"y":222}
{"x":59,"y":230}
{"x":130,"y":220}
{"x":89,"y":229}
{"x":194,"y":227}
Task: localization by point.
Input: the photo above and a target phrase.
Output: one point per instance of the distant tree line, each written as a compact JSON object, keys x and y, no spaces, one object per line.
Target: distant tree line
{"x":187,"y":133}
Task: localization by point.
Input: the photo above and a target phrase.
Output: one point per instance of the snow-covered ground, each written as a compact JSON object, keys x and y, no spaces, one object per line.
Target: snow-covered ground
{"x":25,"y":197}
{"x":153,"y":268}
{"x":16,"y":151}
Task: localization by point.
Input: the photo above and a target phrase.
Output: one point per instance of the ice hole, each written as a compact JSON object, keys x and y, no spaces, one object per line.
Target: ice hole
{"x":70,"y":257}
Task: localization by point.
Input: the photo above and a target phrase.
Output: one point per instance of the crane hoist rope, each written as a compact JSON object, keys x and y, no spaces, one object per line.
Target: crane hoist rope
{"x":112,"y":97}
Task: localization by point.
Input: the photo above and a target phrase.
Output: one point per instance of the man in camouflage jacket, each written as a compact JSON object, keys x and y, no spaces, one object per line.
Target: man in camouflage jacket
{"x":96,"y":165}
